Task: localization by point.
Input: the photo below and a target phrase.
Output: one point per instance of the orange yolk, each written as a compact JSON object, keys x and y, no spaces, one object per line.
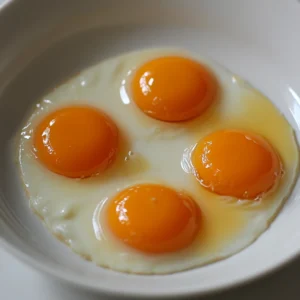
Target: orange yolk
{"x":76,"y":141}
{"x":173,"y":89}
{"x":153,"y":218}
{"x":236,"y":163}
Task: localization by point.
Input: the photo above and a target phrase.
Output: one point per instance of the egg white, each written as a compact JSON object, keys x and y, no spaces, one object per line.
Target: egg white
{"x":153,"y":151}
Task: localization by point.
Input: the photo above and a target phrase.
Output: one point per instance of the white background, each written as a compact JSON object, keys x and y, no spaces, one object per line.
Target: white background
{"x":18,"y":281}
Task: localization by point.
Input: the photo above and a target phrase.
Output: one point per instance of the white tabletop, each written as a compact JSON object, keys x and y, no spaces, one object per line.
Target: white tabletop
{"x":18,"y":281}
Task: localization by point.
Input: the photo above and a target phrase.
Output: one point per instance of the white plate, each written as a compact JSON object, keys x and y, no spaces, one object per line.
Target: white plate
{"x":259,"y":40}
{"x":31,"y":285}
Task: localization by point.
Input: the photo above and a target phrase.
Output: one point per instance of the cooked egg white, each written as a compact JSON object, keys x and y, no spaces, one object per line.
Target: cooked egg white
{"x":154,"y":152}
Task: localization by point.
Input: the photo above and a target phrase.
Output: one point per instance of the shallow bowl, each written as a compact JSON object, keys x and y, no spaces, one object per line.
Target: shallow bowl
{"x":45,"y":42}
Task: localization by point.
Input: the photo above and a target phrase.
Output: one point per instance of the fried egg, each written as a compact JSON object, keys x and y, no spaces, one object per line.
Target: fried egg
{"x":156,"y":161}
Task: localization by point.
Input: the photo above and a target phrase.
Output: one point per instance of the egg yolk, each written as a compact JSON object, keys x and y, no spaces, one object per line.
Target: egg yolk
{"x":76,"y":141}
{"x":236,"y":163}
{"x":154,"y":218}
{"x":173,"y":89}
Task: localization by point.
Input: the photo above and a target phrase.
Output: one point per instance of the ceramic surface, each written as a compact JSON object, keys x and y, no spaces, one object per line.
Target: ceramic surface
{"x":45,"y":42}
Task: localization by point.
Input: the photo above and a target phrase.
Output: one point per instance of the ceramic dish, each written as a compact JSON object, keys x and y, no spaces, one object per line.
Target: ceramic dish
{"x":44,"y":43}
